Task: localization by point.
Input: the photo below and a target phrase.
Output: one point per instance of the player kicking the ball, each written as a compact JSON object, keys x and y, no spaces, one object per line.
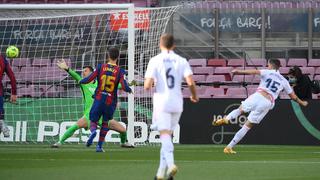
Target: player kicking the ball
{"x":166,"y":71}
{"x":259,"y":103}
{"x":109,"y":76}
{"x":84,"y":122}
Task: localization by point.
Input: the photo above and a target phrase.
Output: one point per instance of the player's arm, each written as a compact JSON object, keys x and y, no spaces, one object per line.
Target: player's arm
{"x":148,"y":82}
{"x":150,"y":75}
{"x":13,"y":81}
{"x":187,"y":73}
{"x":91,"y":77}
{"x":192,"y":87}
{"x":63,"y":65}
{"x":247,"y":71}
{"x":124,"y":84}
{"x":294,"y":97}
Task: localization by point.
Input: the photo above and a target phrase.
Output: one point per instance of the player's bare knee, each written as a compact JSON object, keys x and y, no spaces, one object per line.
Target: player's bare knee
{"x":82,"y":123}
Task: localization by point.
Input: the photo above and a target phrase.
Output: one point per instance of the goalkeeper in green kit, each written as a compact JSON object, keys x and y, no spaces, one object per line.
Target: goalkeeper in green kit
{"x":84,"y":122}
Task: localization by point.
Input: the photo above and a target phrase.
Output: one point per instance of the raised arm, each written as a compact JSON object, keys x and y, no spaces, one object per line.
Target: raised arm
{"x":124,"y":85}
{"x":63,"y":65}
{"x":247,"y":71}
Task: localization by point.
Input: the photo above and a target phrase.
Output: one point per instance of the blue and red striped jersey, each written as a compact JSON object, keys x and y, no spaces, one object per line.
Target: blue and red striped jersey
{"x":5,"y":68}
{"x":108,"y":76}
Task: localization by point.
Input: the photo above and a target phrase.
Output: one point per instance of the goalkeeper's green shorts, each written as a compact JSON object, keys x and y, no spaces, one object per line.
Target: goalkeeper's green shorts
{"x":87,"y":115}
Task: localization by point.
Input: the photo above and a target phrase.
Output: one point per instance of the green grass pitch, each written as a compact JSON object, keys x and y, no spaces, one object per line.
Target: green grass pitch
{"x":195,"y":162}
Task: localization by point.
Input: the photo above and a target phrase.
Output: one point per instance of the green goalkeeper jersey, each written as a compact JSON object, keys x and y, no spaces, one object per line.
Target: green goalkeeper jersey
{"x":86,"y":89}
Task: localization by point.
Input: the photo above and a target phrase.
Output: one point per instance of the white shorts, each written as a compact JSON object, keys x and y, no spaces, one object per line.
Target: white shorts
{"x":165,"y":121}
{"x":258,"y":106}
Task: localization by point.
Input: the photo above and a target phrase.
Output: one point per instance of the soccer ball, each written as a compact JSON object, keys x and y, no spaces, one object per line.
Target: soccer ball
{"x":12,"y":52}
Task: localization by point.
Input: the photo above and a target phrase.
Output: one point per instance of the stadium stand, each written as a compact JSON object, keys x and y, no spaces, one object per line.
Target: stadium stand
{"x":218,"y":70}
{"x":138,"y":3}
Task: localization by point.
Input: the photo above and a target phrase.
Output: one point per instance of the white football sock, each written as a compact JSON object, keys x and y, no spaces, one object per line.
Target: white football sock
{"x":234,"y":114}
{"x":162,"y":165}
{"x":167,"y":148}
{"x":239,"y":135}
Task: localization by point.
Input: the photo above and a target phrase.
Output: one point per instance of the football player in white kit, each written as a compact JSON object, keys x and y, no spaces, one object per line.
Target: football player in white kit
{"x":167,"y":71}
{"x":259,"y":103}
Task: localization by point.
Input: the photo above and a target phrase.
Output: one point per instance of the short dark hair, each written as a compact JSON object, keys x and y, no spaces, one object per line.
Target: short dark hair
{"x":113,"y":53}
{"x":89,"y":67}
{"x":167,"y":41}
{"x":275,"y":63}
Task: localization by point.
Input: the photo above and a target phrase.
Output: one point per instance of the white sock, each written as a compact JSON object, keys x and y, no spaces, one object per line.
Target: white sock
{"x":167,"y":148}
{"x":234,"y":114}
{"x":239,"y":135}
{"x":162,"y":165}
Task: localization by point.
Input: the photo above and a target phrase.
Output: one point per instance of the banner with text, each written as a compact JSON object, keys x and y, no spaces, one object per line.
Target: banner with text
{"x":286,"y":124}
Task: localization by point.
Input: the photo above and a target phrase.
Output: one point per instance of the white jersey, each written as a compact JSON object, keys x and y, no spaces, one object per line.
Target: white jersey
{"x":168,"y":71}
{"x":273,"y":83}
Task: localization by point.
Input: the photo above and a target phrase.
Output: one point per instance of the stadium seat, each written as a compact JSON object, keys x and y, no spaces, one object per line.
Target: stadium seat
{"x":251,"y":90}
{"x":203,"y":70}
{"x":226,"y":71}
{"x":236,"y":92}
{"x":41,"y":62}
{"x":68,"y":62}
{"x":236,"y":62}
{"x":37,"y":1}
{"x":297,"y":62}
{"x":314,"y":62}
{"x":198,"y":62}
{"x":308,"y":70}
{"x":257,"y":62}
{"x":283,"y":62}
{"x":217,"y":62}
{"x":317,"y":71}
{"x":256,"y":79}
{"x":20,"y":62}
{"x":215,"y":78}
{"x":25,"y":92}
{"x":216,"y":92}
{"x":316,"y":77}
{"x":284,"y":70}
{"x":241,"y":78}
{"x":16,"y":1}
{"x":199,"y":78}
{"x":30,"y":74}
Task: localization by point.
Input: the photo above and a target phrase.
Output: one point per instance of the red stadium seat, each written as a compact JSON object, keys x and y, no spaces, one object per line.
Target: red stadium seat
{"x":241,"y":78}
{"x":308,"y":70}
{"x":283,"y":62}
{"x":284,"y":70}
{"x":317,"y":70}
{"x":217,"y":62}
{"x":216,"y":92}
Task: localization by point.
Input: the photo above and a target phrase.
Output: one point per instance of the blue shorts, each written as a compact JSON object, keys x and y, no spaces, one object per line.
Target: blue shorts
{"x":99,"y":108}
{"x":1,"y":108}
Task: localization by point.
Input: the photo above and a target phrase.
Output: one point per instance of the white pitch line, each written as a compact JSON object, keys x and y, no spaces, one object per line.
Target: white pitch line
{"x":181,"y":161}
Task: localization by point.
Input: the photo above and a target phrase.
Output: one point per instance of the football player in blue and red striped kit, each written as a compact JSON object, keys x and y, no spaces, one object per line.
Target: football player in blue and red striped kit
{"x":105,"y":101}
{"x":5,"y":68}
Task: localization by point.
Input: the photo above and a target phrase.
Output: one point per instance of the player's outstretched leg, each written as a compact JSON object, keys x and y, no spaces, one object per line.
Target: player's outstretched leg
{"x":103,"y":132}
{"x":93,"y":129}
{"x":70,"y":131}
{"x":116,"y":126}
{"x":232,"y":115}
{"x":237,"y":137}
